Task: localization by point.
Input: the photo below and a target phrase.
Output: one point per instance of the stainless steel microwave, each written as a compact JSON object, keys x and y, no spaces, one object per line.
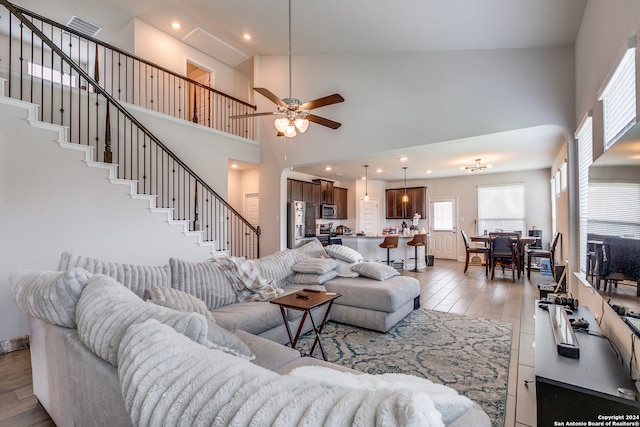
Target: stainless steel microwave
{"x":329,"y":211}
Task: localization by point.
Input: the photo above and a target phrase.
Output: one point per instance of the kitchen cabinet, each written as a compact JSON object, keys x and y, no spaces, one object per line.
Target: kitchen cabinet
{"x":341,"y":202}
{"x":307,"y":192}
{"x":294,"y":190}
{"x":398,"y":210}
{"x":326,"y":191}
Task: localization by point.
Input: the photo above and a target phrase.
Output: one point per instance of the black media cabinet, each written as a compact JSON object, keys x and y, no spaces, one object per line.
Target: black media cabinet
{"x":580,"y":391}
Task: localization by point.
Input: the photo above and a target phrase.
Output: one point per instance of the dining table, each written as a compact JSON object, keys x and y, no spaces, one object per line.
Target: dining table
{"x":524,"y":242}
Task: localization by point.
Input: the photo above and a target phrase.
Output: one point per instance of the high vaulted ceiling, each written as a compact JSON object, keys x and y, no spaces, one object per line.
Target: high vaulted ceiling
{"x":356,"y":26}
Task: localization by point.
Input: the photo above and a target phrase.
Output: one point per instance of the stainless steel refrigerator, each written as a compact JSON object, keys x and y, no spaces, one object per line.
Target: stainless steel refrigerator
{"x":301,"y":223}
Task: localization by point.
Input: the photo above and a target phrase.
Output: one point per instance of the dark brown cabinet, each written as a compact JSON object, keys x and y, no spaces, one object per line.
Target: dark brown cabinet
{"x":294,"y":190}
{"x":326,"y":191}
{"x":416,"y":204}
{"x":341,"y":202}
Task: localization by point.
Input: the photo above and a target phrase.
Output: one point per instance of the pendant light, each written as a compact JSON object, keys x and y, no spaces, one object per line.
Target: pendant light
{"x":366,"y":183}
{"x":405,"y":198}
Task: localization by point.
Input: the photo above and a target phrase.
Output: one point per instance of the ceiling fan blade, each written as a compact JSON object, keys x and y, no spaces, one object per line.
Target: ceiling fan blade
{"x":241,"y":116}
{"x":322,"y":121}
{"x":270,"y":96}
{"x":322,"y":102}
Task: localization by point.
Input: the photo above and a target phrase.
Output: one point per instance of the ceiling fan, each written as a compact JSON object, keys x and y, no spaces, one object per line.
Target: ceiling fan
{"x":295,"y":114}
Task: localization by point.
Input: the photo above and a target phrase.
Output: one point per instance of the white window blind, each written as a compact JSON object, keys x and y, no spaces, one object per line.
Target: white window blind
{"x":619,"y":99}
{"x":563,"y":176}
{"x":613,"y":209}
{"x":584,"y":135}
{"x":501,"y":207}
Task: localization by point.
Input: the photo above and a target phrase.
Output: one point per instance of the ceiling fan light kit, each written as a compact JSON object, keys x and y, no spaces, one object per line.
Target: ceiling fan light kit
{"x":296,"y":114}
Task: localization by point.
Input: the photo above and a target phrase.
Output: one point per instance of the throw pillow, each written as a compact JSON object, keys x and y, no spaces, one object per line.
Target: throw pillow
{"x":106,"y":309}
{"x":313,"y":279}
{"x":344,"y":268}
{"x":277,"y":266}
{"x":315,"y":265}
{"x":313,"y":249}
{"x":204,"y":280}
{"x":51,"y":296}
{"x":344,"y":253}
{"x":375,"y":270}
{"x":184,"y":301}
{"x":138,"y":278}
{"x":219,"y":338}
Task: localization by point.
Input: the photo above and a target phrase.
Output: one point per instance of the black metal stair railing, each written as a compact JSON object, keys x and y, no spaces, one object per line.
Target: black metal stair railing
{"x":55,"y":76}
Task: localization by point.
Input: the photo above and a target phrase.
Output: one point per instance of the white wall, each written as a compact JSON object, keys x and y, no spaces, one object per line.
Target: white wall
{"x":50,"y":201}
{"x":450,"y":94}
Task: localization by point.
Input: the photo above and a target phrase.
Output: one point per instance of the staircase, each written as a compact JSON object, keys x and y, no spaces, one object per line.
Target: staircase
{"x":89,"y":117}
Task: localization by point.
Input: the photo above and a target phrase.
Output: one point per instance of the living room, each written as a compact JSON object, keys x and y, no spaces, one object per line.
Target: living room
{"x":548,"y":73}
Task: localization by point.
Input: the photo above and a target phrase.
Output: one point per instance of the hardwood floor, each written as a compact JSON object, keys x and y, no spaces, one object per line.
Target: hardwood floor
{"x":444,"y":287}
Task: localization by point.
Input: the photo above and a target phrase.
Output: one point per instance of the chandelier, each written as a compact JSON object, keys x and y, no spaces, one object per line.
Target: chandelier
{"x":477,"y":167}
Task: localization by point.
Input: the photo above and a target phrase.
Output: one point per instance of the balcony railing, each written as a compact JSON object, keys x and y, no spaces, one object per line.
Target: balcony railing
{"x":72,"y":90}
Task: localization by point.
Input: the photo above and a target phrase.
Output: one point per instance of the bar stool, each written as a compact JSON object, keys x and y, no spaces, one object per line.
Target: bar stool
{"x":390,"y":242}
{"x":418,"y":240}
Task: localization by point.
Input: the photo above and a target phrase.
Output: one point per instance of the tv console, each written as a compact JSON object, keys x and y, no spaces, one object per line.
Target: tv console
{"x":587,"y":389}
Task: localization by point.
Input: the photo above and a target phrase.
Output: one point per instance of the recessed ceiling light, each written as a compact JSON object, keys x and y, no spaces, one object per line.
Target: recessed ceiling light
{"x":404,"y":158}
{"x":428,"y":171}
{"x":364,"y":178}
{"x":234,"y":165}
{"x":246,"y":36}
{"x":175,"y":25}
{"x":328,"y":168}
{"x":379,"y":170}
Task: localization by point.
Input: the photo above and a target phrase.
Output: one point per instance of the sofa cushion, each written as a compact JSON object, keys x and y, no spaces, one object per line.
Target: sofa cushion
{"x":312,"y":249}
{"x":181,"y":300}
{"x":253,"y":317}
{"x":218,"y":337}
{"x":269,"y":354}
{"x":315,"y":265}
{"x":49,"y":295}
{"x":313,"y":279}
{"x":375,"y":270}
{"x":138,"y":278}
{"x":277,"y":266}
{"x":362,"y":292}
{"x":167,"y":379}
{"x":204,"y":280}
{"x":106,"y":309}
{"x":344,"y":253}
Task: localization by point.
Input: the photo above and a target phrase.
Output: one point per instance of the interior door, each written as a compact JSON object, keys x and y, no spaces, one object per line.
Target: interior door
{"x":368,"y":220}
{"x":443,"y":227}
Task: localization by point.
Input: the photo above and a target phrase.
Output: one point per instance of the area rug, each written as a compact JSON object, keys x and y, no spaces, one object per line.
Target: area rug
{"x":467,"y":354}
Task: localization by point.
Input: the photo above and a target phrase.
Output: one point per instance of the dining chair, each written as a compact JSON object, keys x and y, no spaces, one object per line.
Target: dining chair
{"x":469,"y":250}
{"x":541,"y":253}
{"x":503,"y":253}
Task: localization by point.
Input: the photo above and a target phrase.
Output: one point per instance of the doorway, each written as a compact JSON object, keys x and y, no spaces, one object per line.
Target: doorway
{"x":252,"y":208}
{"x":198,"y":97}
{"x":443,"y":214}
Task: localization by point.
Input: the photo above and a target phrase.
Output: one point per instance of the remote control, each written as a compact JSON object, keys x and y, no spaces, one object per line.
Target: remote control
{"x":299,"y":295}
{"x":312,"y":290}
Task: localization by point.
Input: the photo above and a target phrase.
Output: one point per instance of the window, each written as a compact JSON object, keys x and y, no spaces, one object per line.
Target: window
{"x":442,"y":216}
{"x":584,"y":135}
{"x":501,"y":207}
{"x":613,"y":209}
{"x":556,"y":180}
{"x":619,"y":98}
{"x":49,"y":74}
{"x":563,"y":176}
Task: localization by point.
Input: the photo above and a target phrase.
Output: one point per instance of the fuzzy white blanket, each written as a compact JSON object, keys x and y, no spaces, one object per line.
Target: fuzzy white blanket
{"x":169,"y":380}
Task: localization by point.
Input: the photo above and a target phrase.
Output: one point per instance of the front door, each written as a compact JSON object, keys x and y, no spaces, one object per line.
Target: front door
{"x":443,"y":218}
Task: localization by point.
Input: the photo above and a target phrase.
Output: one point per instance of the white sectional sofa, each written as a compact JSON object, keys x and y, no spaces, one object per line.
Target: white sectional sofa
{"x":102,"y":356}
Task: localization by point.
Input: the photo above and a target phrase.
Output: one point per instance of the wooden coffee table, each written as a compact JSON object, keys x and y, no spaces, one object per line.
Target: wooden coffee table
{"x":297,"y":302}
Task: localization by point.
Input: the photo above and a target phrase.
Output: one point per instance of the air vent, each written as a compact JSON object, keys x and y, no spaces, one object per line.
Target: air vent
{"x":83,"y":26}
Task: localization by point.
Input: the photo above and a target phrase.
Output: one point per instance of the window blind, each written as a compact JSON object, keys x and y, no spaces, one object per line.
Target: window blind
{"x":613,"y":208}
{"x":619,"y":99}
{"x":584,"y":135}
{"x":501,"y":207}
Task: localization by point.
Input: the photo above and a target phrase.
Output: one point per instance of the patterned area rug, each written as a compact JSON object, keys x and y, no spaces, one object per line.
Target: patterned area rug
{"x":470,"y":355}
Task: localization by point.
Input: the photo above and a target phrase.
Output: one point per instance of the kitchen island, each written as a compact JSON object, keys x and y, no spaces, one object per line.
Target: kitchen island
{"x":368,"y":247}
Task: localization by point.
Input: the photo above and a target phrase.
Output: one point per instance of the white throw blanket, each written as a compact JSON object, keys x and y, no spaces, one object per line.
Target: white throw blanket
{"x":167,"y":379}
{"x":246,"y":279}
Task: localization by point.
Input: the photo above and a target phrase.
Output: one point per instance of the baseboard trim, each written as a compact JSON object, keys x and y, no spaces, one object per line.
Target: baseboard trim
{"x":14,"y":344}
